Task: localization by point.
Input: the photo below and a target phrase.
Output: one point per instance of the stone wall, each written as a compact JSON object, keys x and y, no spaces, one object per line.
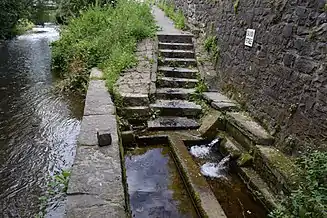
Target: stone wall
{"x":282,"y":79}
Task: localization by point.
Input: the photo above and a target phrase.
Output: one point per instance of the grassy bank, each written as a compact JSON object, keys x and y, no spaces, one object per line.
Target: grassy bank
{"x":105,"y":37}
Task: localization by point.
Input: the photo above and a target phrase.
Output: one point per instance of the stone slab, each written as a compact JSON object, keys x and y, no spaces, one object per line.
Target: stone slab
{"x":98,"y":100}
{"x":216,"y":97}
{"x":205,"y":199}
{"x":91,"y":124}
{"x":241,"y":127}
{"x":281,"y":172}
{"x":173,"y":123}
{"x":87,"y":206}
{"x":230,"y":147}
{"x":96,"y":73}
{"x":211,"y":123}
{"x":97,"y":171}
{"x":258,"y":187}
{"x":225,"y":106}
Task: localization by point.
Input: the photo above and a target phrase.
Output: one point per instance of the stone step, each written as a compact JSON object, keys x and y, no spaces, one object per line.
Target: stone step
{"x":178,"y":72}
{"x":175,"y":38}
{"x":174,"y":93}
{"x":172,"y":123}
{"x":135,"y":99}
{"x":173,"y":82}
{"x":167,"y":53}
{"x":220,"y":102}
{"x":133,"y":112}
{"x":278,"y":170}
{"x":246,"y":131}
{"x":176,"y":108}
{"x":178,"y":62}
{"x":258,"y":187}
{"x":181,"y":46}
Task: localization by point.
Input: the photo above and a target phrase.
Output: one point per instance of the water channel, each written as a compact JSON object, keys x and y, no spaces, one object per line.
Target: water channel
{"x":38,"y":127}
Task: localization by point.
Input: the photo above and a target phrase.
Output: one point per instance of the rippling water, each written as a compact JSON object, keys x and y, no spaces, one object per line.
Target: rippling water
{"x":38,"y":127}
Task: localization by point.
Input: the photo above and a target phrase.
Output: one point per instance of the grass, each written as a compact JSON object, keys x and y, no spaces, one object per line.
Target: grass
{"x":103,"y":37}
{"x":176,"y":15}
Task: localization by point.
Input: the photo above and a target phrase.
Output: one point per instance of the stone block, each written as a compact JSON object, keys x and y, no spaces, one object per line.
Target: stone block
{"x":104,"y":138}
{"x":135,"y":99}
{"x":127,"y":138}
{"x":92,"y":124}
{"x":98,"y":100}
{"x":216,"y":97}
{"x":246,"y":131}
{"x":211,"y":123}
{"x":229,"y":147}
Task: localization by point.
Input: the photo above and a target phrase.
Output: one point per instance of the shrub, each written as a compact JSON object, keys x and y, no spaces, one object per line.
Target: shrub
{"x":104,"y":37}
{"x":310,"y":199}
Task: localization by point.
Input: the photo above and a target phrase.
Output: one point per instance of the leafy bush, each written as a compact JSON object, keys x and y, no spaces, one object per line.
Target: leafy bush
{"x":310,"y":199}
{"x":177,"y":16}
{"x":104,"y":37}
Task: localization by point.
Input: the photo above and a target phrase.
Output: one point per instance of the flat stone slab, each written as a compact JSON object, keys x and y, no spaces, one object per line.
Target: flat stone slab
{"x":98,"y":100}
{"x":86,"y":206}
{"x":165,"y":123}
{"x":136,"y":111}
{"x":246,"y":126}
{"x":174,"y":93}
{"x":176,"y":108}
{"x":216,"y":97}
{"x":225,"y":106}
{"x":97,"y":171}
{"x":92,"y":123}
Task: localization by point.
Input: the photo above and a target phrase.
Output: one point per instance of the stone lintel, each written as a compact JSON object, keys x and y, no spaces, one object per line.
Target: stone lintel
{"x":242,"y":126}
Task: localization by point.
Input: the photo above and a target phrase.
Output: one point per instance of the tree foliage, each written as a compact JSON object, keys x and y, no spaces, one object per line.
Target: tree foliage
{"x":10,"y":12}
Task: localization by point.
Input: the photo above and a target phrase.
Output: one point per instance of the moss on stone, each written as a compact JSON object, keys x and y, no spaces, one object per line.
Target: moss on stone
{"x":245,"y":159}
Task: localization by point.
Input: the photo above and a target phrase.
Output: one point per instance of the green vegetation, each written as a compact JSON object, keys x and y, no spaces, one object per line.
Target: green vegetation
{"x":57,"y":186}
{"x":236,"y":5}
{"x":310,"y":199}
{"x":211,"y":46}
{"x":22,"y":26}
{"x":68,"y":9}
{"x":177,"y":16}
{"x":105,"y":37}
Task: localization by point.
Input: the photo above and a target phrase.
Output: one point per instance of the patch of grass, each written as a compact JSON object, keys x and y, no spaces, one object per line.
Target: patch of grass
{"x":104,"y":37}
{"x":211,"y":46}
{"x":176,"y":15}
{"x":236,"y":5}
{"x":310,"y":199}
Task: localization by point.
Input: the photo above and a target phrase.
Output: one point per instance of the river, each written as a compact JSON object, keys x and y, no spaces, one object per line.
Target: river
{"x":38,"y":127}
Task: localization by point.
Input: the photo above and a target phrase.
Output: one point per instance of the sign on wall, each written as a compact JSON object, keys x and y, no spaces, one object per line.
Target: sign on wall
{"x":249,"y":38}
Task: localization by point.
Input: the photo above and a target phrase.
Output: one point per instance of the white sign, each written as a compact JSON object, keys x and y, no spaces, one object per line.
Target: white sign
{"x":249,"y":38}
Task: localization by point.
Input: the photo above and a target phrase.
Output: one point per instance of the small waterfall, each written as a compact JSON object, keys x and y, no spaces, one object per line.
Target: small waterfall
{"x":203,"y":150}
{"x":216,"y":170}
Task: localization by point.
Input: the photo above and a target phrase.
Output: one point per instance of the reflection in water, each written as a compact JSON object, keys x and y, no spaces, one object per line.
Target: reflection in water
{"x":38,"y":127}
{"x":154,"y":185}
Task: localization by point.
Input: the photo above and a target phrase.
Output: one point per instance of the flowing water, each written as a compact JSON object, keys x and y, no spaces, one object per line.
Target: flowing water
{"x":38,"y":128}
{"x":234,"y":197}
{"x":154,"y":185}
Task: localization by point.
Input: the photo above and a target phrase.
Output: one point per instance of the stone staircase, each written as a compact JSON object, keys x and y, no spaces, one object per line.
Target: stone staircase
{"x":176,"y":81}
